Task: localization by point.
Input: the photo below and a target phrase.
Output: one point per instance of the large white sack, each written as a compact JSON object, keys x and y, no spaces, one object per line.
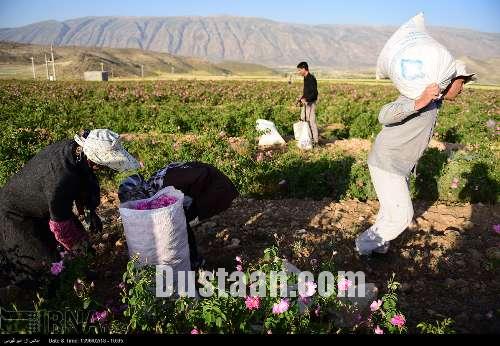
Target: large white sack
{"x":412,"y":59}
{"x":303,"y":136}
{"x":270,"y":134}
{"x":158,"y":236}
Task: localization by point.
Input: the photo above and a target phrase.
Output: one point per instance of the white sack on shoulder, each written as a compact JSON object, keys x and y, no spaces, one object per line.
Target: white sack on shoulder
{"x":412,"y":59}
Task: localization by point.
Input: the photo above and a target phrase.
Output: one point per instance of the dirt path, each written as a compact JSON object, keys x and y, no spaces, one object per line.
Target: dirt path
{"x":444,"y":261}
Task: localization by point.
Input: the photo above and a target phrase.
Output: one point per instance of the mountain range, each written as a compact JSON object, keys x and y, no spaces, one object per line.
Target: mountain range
{"x":254,"y":40}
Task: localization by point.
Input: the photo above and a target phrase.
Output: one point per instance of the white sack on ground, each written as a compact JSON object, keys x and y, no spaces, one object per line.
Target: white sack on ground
{"x":158,"y":236}
{"x":303,"y":136}
{"x":270,"y":134}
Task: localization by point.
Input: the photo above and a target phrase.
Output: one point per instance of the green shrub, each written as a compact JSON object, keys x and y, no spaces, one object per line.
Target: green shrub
{"x":365,"y":125}
{"x":471,"y":176}
{"x":443,"y":327}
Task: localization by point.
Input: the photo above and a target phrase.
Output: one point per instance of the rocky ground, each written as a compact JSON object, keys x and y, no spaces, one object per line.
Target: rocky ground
{"x":447,"y":261}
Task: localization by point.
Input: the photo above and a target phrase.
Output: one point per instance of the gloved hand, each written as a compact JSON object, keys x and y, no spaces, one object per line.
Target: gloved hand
{"x":68,"y":233}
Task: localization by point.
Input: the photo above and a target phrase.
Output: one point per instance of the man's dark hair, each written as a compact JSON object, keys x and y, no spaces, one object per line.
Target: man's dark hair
{"x":303,"y":65}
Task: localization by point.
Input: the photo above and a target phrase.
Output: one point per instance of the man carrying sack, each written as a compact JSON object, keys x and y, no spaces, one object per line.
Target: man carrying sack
{"x":426,"y":74}
{"x":408,"y":126}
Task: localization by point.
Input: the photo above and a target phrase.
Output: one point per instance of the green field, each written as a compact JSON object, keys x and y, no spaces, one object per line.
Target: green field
{"x":164,"y":115}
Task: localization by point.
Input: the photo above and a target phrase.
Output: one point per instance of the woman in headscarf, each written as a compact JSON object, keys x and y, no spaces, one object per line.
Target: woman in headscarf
{"x":36,"y":204}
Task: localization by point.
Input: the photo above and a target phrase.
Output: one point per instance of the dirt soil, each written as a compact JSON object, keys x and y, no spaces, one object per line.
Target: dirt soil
{"x":447,"y":261}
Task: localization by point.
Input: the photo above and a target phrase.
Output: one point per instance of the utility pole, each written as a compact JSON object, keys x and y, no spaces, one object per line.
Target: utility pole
{"x":33,"y":66}
{"x":142,"y":71}
{"x":53,"y":63}
{"x":46,"y":66}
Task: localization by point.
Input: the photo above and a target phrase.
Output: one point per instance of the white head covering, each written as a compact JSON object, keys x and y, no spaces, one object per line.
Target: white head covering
{"x":104,"y":147}
{"x":462,"y":71}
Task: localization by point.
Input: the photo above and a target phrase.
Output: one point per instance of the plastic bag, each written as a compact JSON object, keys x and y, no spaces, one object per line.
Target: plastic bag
{"x":271,"y":135}
{"x":158,"y":236}
{"x":412,"y":59}
{"x":303,"y":136}
{"x":135,"y":187}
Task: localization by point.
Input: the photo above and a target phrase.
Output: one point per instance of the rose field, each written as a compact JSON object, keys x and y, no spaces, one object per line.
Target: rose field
{"x":440,"y":276}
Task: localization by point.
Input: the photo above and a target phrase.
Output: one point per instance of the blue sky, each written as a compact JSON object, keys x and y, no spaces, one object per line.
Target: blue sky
{"x":481,"y":15}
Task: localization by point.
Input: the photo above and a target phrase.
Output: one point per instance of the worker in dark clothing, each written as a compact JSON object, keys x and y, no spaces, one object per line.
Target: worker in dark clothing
{"x":36,"y":204}
{"x":308,"y":99}
{"x":207,"y":192}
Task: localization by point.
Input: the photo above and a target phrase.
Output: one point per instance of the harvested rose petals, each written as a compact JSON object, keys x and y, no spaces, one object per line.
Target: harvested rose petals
{"x":160,"y":202}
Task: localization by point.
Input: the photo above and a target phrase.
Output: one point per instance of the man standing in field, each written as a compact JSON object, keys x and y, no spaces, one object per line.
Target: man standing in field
{"x":308,"y":99}
{"x":408,"y":126}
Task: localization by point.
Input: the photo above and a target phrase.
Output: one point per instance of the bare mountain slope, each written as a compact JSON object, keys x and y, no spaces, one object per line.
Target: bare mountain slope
{"x":244,"y":39}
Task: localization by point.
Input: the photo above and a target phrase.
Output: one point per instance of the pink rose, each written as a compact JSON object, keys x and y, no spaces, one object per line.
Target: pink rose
{"x":56,"y":268}
{"x":375,"y":305}
{"x":398,"y":320}
{"x":310,"y":289}
{"x":252,"y":303}
{"x":344,"y":284}
{"x":281,"y":307}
